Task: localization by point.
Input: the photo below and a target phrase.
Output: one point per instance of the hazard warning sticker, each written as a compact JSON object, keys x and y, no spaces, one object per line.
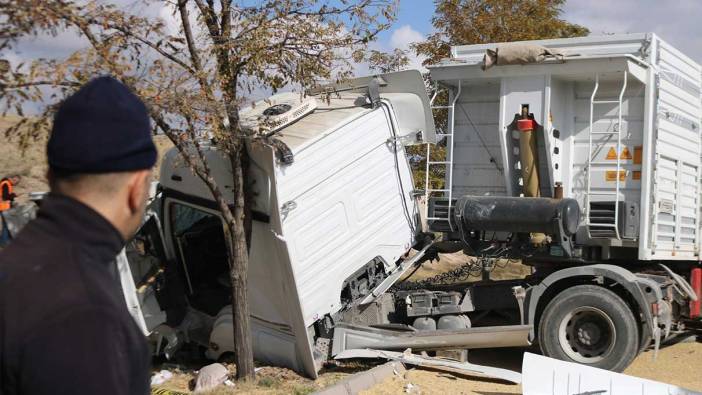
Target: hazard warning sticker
{"x":626,"y":154}
{"x":611,"y":175}
{"x":612,"y":154}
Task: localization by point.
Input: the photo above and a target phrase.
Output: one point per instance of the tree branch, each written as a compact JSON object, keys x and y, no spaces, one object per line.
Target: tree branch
{"x":153,"y":46}
{"x":187,"y":30}
{"x":210,"y":18}
{"x":226,"y":18}
{"x":39,"y":83}
{"x":192,"y":48}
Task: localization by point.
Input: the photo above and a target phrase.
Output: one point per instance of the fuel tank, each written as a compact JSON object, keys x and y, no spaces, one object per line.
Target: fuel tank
{"x":518,"y":214}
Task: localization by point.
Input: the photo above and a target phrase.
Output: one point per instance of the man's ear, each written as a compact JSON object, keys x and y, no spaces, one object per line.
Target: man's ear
{"x":138,"y":190}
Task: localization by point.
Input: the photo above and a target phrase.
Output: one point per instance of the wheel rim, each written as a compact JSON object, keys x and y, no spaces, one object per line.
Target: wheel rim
{"x":587,"y":335}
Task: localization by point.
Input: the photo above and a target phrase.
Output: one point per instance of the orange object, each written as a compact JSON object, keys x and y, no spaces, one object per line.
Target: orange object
{"x":611,"y":175}
{"x":638,"y":154}
{"x":625,"y":154}
{"x":5,"y":204}
{"x":696,"y":282}
{"x":525,"y":125}
{"x":612,"y":154}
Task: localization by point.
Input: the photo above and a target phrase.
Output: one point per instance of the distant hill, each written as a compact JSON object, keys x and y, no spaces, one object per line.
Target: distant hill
{"x":31,"y":164}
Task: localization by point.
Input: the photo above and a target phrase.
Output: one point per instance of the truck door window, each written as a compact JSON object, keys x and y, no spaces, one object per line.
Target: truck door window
{"x":199,"y":240}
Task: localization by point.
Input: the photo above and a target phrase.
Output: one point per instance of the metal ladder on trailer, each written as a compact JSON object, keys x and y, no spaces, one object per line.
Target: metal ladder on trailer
{"x":601,"y":220}
{"x":447,"y":191}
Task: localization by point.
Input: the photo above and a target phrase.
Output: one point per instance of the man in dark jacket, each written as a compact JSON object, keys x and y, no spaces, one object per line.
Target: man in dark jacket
{"x":64,"y":325}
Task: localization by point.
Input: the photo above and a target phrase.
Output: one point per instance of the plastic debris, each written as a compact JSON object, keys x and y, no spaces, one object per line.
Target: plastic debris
{"x":210,"y":377}
{"x":435,"y":363}
{"x":161,"y":377}
{"x":543,"y":375}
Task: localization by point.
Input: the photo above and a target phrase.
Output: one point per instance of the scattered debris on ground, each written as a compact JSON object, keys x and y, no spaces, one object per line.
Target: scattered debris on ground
{"x":673,"y":365}
{"x":269,"y":380}
{"x":161,"y":377}
{"x":211,"y":376}
{"x":435,"y":363}
{"x":364,"y":380}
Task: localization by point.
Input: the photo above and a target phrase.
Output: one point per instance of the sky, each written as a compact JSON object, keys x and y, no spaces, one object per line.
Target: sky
{"x":676,"y":21}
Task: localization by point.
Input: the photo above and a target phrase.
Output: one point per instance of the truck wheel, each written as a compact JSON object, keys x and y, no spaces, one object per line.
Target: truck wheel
{"x":590,"y":325}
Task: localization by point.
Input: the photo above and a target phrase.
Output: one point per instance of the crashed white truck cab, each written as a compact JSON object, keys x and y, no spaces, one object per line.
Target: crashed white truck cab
{"x":333,"y":214}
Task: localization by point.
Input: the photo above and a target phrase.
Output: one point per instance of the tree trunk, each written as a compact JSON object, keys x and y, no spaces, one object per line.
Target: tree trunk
{"x":235,"y":236}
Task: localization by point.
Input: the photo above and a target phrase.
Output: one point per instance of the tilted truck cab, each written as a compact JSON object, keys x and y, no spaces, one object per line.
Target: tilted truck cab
{"x":333,"y":195}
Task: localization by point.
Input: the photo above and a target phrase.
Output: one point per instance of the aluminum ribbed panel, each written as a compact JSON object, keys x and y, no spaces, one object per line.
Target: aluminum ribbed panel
{"x":675,"y":228}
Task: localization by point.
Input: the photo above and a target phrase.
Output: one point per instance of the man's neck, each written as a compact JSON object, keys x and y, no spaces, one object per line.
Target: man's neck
{"x":104,"y":208}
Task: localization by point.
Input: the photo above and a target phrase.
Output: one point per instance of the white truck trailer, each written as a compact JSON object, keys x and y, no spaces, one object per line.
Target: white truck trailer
{"x":581,"y":157}
{"x":606,"y":135}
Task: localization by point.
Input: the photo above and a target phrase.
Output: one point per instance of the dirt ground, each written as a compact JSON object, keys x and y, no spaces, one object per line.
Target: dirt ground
{"x":676,"y":364}
{"x":269,"y":380}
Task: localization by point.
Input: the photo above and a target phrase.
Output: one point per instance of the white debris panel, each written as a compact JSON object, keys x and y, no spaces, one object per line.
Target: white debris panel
{"x":435,"y":363}
{"x":547,"y":376}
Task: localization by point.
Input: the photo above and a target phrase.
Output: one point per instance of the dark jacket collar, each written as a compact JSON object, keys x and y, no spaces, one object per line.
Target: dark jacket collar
{"x":69,"y":219}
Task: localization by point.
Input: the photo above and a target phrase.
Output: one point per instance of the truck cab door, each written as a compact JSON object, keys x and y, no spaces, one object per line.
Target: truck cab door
{"x":141,"y":266}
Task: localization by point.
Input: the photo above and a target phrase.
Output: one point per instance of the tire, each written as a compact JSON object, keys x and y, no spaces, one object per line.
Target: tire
{"x":590,"y":325}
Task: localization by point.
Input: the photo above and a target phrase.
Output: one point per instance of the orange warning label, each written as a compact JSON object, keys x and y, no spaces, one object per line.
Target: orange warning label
{"x":612,"y":154}
{"x":625,"y":154}
{"x":638,"y":154}
{"x":611,"y":175}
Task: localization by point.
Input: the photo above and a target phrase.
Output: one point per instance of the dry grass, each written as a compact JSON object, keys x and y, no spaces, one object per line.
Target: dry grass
{"x":270,"y":380}
{"x":30,"y":164}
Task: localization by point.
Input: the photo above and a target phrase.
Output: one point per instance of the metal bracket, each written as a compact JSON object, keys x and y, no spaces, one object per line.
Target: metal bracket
{"x":287,"y":207}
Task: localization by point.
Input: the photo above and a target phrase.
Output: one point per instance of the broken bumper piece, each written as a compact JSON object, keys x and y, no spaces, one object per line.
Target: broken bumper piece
{"x":349,"y":337}
{"x":435,"y":363}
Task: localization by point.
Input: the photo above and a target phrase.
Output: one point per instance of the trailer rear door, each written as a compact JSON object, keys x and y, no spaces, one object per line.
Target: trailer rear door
{"x":674,"y":210}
